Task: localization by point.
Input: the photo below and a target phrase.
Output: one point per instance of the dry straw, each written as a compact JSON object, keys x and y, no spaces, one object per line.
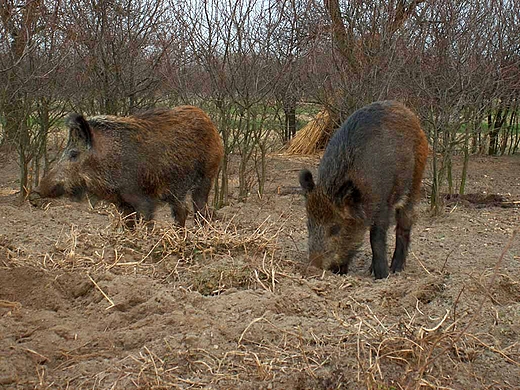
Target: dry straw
{"x":313,"y":137}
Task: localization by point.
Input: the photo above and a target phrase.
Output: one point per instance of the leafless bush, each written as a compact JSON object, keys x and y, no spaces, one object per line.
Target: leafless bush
{"x":252,"y":63}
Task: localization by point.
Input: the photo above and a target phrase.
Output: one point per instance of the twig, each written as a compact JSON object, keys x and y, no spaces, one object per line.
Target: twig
{"x":421,"y":264}
{"x":102,"y":292}
{"x":247,"y":328}
{"x":456,"y":302}
{"x":44,"y":358}
{"x":157,"y":376}
{"x":428,"y":330}
{"x":446,"y":261}
{"x":10,"y":305}
{"x":493,"y":349}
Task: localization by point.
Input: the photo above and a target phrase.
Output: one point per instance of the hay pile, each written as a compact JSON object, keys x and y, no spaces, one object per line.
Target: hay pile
{"x":314,"y":136}
{"x":179,"y":255}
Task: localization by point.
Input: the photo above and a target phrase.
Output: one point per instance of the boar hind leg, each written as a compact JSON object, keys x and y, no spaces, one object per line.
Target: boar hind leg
{"x":404,"y":221}
{"x":199,"y":196}
{"x":341,"y":268}
{"x":378,"y":243}
{"x":143,"y":206}
{"x":128,"y":214}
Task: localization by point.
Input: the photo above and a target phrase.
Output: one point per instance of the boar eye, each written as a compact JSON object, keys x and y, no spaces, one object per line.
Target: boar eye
{"x":73,"y":154}
{"x":334,"y":230}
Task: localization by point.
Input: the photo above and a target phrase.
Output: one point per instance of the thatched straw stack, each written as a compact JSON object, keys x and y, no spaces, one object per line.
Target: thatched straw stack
{"x":314,"y":136}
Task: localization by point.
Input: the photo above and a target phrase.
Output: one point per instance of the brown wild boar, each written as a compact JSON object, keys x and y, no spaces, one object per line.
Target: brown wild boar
{"x":136,"y":161}
{"x":372,"y":168}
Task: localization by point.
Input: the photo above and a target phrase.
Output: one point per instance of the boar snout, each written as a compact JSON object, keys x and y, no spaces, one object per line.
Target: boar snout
{"x":36,"y":196}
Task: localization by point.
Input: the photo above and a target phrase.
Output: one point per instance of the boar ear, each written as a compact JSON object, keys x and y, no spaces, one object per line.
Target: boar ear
{"x":79,"y":126}
{"x":306,"y":180}
{"x":348,"y":201}
{"x":347,"y":193}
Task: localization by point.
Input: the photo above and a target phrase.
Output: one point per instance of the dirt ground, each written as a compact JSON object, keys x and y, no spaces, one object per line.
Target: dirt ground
{"x":85,"y":304}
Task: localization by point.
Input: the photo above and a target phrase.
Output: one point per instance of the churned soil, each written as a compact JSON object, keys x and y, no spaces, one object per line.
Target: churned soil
{"x":85,"y":303}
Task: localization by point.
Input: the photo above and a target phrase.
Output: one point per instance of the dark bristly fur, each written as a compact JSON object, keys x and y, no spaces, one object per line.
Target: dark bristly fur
{"x":136,"y":161}
{"x":372,"y":167}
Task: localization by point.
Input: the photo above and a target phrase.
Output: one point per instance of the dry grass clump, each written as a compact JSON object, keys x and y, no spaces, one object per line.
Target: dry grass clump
{"x":209,"y":258}
{"x":151,"y":243}
{"x":314,"y":136}
{"x":264,"y":353}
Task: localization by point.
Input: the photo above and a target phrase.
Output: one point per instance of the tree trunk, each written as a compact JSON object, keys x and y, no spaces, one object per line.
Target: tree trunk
{"x":495,"y":126}
{"x":341,"y":37}
{"x":290,"y":121}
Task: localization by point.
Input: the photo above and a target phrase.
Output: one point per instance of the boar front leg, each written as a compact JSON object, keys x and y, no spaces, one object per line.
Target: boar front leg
{"x":378,"y":243}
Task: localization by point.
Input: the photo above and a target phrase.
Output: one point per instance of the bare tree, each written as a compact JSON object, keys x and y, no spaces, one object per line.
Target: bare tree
{"x":118,"y":45}
{"x":234,"y":43}
{"x":31,"y":55}
{"x":456,"y":69}
{"x":250,"y":63}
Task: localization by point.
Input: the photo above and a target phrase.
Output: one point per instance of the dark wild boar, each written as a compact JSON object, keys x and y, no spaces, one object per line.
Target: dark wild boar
{"x":136,"y":161}
{"x":371,"y":168}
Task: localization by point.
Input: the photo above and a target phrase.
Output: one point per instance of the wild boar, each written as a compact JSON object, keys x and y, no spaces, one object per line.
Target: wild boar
{"x":137,"y":161}
{"x":372,"y":167}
